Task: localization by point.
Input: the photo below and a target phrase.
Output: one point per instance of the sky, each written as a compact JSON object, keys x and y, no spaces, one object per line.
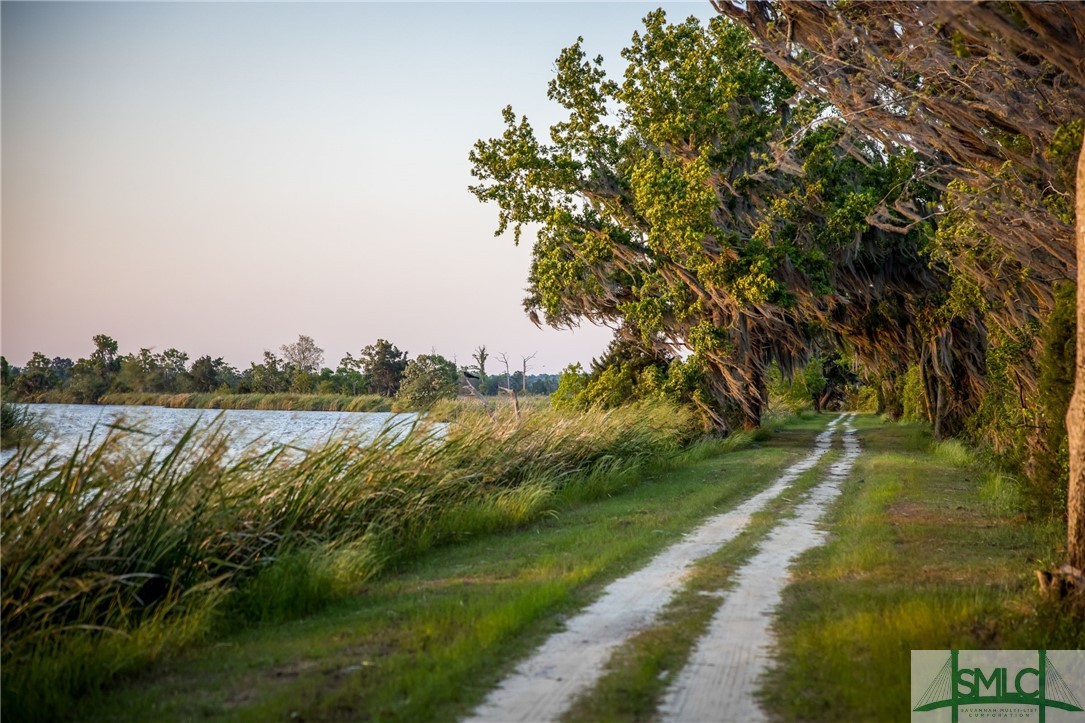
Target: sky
{"x":221,"y":178}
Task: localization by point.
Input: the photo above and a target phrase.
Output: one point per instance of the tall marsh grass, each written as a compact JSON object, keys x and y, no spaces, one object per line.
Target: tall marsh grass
{"x":281,"y":402}
{"x":111,"y":556}
{"x":18,"y":426}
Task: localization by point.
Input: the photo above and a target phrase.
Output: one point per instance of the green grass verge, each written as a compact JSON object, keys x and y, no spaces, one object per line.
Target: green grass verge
{"x":927,"y":552}
{"x":428,"y":638}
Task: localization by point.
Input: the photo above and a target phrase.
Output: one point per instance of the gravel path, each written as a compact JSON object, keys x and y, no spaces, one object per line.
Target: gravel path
{"x":545,"y":685}
{"x":720,"y":680}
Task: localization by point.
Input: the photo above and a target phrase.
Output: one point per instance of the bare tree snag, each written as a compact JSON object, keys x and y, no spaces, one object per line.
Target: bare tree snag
{"x":476,"y":395}
{"x":504,"y":359}
{"x":523,"y":382}
{"x":515,"y":400}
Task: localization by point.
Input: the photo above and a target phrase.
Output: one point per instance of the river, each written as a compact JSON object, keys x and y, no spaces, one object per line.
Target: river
{"x":70,"y":424}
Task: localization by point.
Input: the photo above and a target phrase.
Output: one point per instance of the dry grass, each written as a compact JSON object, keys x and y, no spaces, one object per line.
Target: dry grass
{"x":282,"y":402}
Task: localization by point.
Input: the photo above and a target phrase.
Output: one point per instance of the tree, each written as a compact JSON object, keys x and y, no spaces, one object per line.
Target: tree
{"x":428,"y":378}
{"x":105,"y":353}
{"x":383,"y":364}
{"x":172,"y":364}
{"x":348,"y":375}
{"x":992,"y":97}
{"x":36,"y":376}
{"x":209,"y":374}
{"x":92,"y":377}
{"x":539,"y":386}
{"x":1075,"y":415}
{"x":137,"y":372}
{"x":268,"y":377}
{"x":88,"y":382}
{"x":62,"y":369}
{"x":302,"y":382}
{"x":523,"y":377}
{"x":303,"y":355}
{"x":504,"y":359}
{"x":570,"y":389}
{"x":989,"y":95}
{"x":678,"y":220}
{"x":480,"y":356}
{"x":492,"y":387}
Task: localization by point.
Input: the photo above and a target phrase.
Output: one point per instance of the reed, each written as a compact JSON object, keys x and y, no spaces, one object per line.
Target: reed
{"x":18,"y":426}
{"x":268,"y":402}
{"x":108,"y":544}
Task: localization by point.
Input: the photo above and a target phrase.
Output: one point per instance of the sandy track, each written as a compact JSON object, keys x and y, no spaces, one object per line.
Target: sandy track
{"x":570,"y":662}
{"x":720,"y":680}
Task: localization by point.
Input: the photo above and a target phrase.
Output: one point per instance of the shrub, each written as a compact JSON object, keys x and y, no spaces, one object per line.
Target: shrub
{"x":1057,"y":361}
{"x":571,"y":386}
{"x":427,"y":378}
{"x":913,"y":400}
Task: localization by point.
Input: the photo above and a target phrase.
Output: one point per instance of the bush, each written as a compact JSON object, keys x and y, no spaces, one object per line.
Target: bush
{"x":863,"y":399}
{"x":912,"y":397}
{"x":571,"y":387}
{"x":427,"y":378}
{"x":788,"y":395}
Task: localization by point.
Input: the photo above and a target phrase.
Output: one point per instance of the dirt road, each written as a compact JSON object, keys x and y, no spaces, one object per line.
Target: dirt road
{"x":732,"y":653}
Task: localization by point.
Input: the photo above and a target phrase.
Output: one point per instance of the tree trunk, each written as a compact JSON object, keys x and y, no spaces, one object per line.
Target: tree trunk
{"x":758,"y":397}
{"x":1075,"y":416}
{"x":939,"y":409}
{"x":929,"y":382}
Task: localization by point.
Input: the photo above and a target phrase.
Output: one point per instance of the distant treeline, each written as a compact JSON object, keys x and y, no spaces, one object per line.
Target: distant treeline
{"x":380,"y":370}
{"x":284,"y":401}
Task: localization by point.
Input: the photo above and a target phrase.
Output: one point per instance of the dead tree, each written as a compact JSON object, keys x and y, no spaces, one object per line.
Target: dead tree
{"x":523,"y":382}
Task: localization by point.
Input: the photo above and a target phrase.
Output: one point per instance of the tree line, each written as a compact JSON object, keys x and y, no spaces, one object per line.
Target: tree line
{"x":380,"y":368}
{"x":798,"y":181}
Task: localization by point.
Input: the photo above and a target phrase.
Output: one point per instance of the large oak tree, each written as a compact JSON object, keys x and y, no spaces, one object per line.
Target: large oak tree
{"x":699,"y":205}
{"x":992,"y":97}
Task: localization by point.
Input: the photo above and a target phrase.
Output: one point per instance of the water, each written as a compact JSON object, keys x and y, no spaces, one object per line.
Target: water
{"x":69,"y":424}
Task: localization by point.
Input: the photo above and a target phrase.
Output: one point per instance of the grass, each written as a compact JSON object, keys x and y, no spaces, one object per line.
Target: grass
{"x":18,"y":426}
{"x":451,"y":410}
{"x":282,"y":401}
{"x":428,"y":638}
{"x":104,"y":551}
{"x":443,"y":410}
{"x":928,"y":551}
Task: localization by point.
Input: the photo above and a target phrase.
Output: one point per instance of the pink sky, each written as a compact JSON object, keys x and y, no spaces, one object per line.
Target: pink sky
{"x":220,"y":178}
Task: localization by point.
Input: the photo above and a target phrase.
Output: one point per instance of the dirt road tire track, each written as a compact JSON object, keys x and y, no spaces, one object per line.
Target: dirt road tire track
{"x":719,"y":682}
